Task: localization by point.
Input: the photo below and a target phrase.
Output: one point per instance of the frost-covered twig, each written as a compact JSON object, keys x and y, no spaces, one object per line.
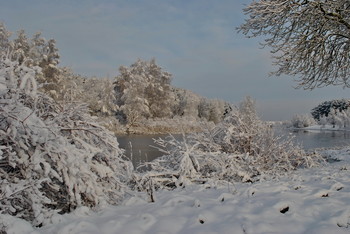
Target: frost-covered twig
{"x":240,"y":148}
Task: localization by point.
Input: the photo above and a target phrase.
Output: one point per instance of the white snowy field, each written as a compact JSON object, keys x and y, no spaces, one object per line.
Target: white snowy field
{"x":313,"y":200}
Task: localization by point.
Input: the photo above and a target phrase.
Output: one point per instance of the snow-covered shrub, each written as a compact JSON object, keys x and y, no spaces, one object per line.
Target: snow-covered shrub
{"x":240,"y":148}
{"x":302,"y":121}
{"x":247,"y":148}
{"x":52,"y":159}
{"x":177,"y":164}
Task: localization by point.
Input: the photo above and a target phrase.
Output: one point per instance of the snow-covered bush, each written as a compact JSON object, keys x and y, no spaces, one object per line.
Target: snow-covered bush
{"x":240,"y":148}
{"x":302,"y":121}
{"x":52,"y":158}
{"x":176,"y":167}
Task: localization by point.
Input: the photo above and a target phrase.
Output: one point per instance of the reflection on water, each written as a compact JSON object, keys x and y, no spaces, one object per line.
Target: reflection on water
{"x":139,"y":147}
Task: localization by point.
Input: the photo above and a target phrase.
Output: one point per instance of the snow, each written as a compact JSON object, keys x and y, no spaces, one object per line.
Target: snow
{"x":312,"y":200}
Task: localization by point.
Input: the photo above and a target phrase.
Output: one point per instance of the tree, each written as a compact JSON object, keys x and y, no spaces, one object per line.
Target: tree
{"x":100,"y":95}
{"x":309,"y":38}
{"x":212,"y":109}
{"x":33,"y":52}
{"x":158,"y":92}
{"x":325,"y":108}
{"x":21,"y":48}
{"x":4,"y":38}
{"x":144,"y":91}
{"x":302,"y":121}
{"x":186,"y":103}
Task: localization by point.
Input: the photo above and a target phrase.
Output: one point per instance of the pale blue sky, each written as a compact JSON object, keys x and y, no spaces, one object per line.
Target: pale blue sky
{"x":195,"y":40}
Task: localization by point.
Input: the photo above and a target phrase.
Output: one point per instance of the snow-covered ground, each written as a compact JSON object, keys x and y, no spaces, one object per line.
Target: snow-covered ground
{"x":313,"y":200}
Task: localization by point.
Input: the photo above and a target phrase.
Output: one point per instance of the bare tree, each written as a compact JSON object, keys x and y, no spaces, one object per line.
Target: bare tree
{"x":308,"y":38}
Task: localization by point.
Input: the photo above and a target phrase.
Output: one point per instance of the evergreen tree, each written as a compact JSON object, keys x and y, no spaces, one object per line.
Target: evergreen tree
{"x":325,"y":108}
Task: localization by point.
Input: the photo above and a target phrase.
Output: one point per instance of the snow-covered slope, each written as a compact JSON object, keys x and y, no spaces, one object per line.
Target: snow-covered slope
{"x":313,"y":200}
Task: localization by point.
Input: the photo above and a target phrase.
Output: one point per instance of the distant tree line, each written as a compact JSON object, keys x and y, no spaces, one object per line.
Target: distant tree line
{"x":144,"y":90}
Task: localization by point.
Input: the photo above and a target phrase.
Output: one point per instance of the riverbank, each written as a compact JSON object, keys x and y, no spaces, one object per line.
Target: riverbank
{"x":312,"y":200}
{"x":316,"y":136}
{"x":325,"y":127}
{"x":177,"y":125}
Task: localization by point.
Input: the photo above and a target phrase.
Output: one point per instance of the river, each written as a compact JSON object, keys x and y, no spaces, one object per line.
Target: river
{"x":139,"y":147}
{"x":312,"y":139}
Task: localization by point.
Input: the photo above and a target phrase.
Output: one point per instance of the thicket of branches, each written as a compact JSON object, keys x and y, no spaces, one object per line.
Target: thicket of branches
{"x":240,"y":148}
{"x":53,"y":157}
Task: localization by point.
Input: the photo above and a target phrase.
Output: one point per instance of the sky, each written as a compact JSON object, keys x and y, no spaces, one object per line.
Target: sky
{"x":195,"y":40}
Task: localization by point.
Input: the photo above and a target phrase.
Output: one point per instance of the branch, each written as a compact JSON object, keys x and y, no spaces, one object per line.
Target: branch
{"x":334,"y":16}
{"x":90,"y":131}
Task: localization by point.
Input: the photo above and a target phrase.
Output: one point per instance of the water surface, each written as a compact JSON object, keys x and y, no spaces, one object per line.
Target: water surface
{"x":312,"y":139}
{"x":141,"y":148}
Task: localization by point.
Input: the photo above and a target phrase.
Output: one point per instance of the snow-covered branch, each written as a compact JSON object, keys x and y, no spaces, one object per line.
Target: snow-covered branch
{"x":308,"y":38}
{"x":240,"y":148}
{"x":53,"y":158}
